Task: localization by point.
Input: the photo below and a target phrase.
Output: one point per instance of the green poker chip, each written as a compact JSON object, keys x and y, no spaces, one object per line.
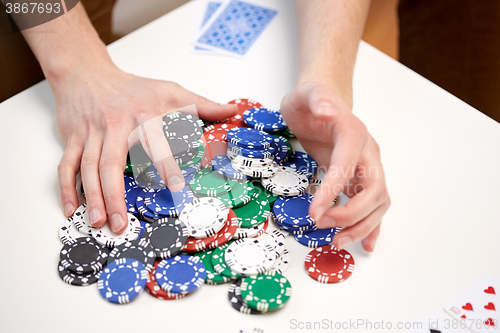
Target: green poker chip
{"x":209,"y":183}
{"x":212,"y":276}
{"x":128,"y":167}
{"x":287,"y":133}
{"x":260,"y":193}
{"x":219,"y":262}
{"x":197,"y":158}
{"x":255,"y":212}
{"x":266,"y":292}
{"x":239,"y":195}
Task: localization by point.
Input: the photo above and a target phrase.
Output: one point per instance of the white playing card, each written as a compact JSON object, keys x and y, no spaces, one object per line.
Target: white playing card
{"x":433,"y":324}
{"x":478,"y":308}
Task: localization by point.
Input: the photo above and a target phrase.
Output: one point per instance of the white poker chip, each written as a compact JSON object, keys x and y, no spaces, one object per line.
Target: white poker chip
{"x":249,"y":161}
{"x":275,"y":239}
{"x":250,"y":232}
{"x":286,"y":182}
{"x":204,"y":217}
{"x":81,"y":220}
{"x":68,"y":232}
{"x":106,"y":237}
{"x":266,"y":172}
{"x":282,"y":263}
{"x":249,"y":256}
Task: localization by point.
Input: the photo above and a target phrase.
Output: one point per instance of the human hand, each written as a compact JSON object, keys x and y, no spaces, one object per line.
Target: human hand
{"x":350,"y":157}
{"x":97,"y":108}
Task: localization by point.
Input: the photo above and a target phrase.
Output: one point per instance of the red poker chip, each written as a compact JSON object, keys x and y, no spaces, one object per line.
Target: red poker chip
{"x":326,"y":264}
{"x":198,"y":244}
{"x":227,"y":232}
{"x":155,"y":290}
{"x":263,"y":230}
{"x":243,"y":104}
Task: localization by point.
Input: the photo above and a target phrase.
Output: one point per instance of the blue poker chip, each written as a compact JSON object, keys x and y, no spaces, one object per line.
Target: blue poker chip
{"x":249,"y":138}
{"x":280,"y":149}
{"x":294,"y":230}
{"x":302,"y":162}
{"x":264,"y":119}
{"x":143,"y":210}
{"x":253,"y":153}
{"x":181,"y":274}
{"x":129,"y":182}
{"x":130,"y":199}
{"x":167,"y":203}
{"x":293,"y":212}
{"x":316,"y":238}
{"x":222,"y":165}
{"x":122,"y":280}
{"x":144,"y":225}
{"x":189,"y":178}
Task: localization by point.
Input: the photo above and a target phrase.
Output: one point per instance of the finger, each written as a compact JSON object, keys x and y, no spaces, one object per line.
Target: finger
{"x":91,"y":181}
{"x":66,"y":173}
{"x":113,"y":158}
{"x":156,"y":146}
{"x":369,"y":242}
{"x":206,"y":108}
{"x":360,"y":230}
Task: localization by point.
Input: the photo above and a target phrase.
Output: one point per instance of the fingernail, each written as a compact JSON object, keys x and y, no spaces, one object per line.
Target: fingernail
{"x":95,"y":216}
{"x":326,"y":109}
{"x":69,"y":209}
{"x":176,"y":183}
{"x":344,"y":242}
{"x":116,"y":222}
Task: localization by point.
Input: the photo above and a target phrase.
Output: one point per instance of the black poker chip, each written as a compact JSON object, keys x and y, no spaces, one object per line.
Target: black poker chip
{"x":139,"y":250}
{"x":236,"y":300}
{"x":77,"y":280}
{"x":183,"y":125}
{"x":167,"y":236}
{"x":84,"y":256}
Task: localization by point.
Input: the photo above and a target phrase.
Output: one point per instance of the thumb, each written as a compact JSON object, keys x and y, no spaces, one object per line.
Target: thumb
{"x":206,"y":108}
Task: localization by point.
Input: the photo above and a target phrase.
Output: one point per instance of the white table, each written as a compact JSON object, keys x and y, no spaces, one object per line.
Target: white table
{"x":441,"y":157}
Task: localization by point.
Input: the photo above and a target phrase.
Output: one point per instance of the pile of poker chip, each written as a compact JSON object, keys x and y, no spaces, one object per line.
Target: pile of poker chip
{"x":246,"y":192}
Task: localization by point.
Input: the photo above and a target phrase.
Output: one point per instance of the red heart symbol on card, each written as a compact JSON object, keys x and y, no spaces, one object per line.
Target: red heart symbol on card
{"x":490,"y":290}
{"x":468,"y":306}
{"x":463,"y":317}
{"x":490,"y":306}
{"x":489,"y":322}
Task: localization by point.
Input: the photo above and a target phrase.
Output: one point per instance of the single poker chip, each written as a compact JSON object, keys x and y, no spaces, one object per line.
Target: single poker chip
{"x":264,"y":119}
{"x":68,"y":232}
{"x":269,"y":171}
{"x":326,"y":264}
{"x":139,"y":250}
{"x":280,"y":149}
{"x":76,"y":279}
{"x":212,"y":277}
{"x":219,"y":262}
{"x":319,"y":237}
{"x":198,"y":244}
{"x":249,"y":138}
{"x":181,"y":274}
{"x":242,"y":104}
{"x":209,"y":183}
{"x":84,"y":256}
{"x":251,"y":232}
{"x":81,"y":220}
{"x":248,"y":161}
{"x":222,"y":165}
{"x":225,"y":234}
{"x":130,"y":199}
{"x":143,"y":210}
{"x":261,"y":194}
{"x":266,"y":292}
{"x":275,"y":239}
{"x":286,"y":182}
{"x":183,"y":125}
{"x":240,"y":195}
{"x":204,"y":217}
{"x":167,"y":203}
{"x":234,"y":296}
{"x":167,"y":236}
{"x":249,"y":256}
{"x":122,"y":280}
{"x":106,"y":237}
{"x":217,"y":132}
{"x":293,"y":212}
{"x":253,"y":213}
{"x":282,"y":263}
{"x":253,"y":153}
{"x":304,"y":163}
{"x":155,"y":290}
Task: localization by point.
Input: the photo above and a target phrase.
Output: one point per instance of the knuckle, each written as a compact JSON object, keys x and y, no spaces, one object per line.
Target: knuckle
{"x":88,"y":162}
{"x":108,"y":162}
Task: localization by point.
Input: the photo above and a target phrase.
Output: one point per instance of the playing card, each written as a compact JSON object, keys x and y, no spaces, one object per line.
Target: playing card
{"x":209,"y":11}
{"x":235,"y":27}
{"x":433,"y":324}
{"x":479,"y":306}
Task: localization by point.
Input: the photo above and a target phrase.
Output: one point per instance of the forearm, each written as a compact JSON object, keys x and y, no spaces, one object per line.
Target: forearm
{"x":66,"y":45}
{"x":328,"y":35}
